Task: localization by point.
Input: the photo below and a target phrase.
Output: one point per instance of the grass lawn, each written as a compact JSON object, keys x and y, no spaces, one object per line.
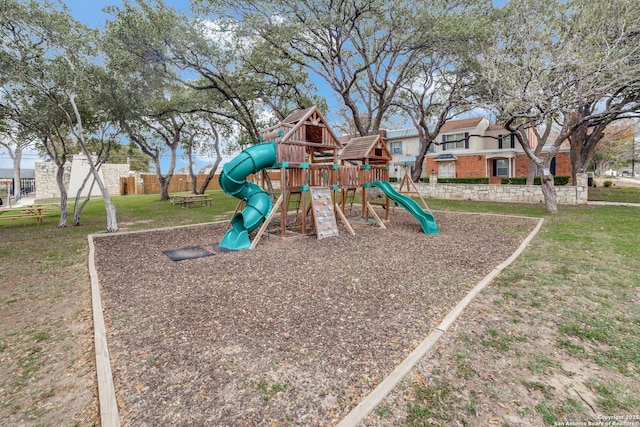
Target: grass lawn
{"x":615,"y":194}
{"x":574,"y":292}
{"x":554,"y":338}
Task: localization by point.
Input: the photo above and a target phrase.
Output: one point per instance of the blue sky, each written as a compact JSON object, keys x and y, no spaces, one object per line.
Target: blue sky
{"x":90,"y":13}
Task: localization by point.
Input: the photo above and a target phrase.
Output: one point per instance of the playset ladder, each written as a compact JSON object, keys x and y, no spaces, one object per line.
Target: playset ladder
{"x":323,"y":212}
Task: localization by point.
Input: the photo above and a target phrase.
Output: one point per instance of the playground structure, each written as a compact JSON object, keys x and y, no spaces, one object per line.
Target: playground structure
{"x":317,"y":173}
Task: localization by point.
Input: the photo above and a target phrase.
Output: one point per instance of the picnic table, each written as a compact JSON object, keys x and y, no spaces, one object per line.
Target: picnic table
{"x":187,"y":200}
{"x":35,"y":211}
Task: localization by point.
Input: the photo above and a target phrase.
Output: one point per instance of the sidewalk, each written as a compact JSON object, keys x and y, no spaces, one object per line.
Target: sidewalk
{"x":24,"y":201}
{"x":600,"y":203}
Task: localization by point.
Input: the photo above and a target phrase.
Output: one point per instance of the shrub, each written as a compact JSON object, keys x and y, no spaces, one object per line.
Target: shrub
{"x":608,"y":183}
{"x":425,"y":179}
{"x":393,"y":179}
{"x":522,"y":180}
{"x":463,"y":180}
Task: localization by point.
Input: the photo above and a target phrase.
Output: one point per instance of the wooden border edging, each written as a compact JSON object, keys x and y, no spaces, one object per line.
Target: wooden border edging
{"x":374,"y":398}
{"x":106,"y":391}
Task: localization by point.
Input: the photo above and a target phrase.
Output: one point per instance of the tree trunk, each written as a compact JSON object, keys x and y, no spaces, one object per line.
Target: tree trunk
{"x":77,"y":206}
{"x":550,"y":196}
{"x":165,"y":180}
{"x":417,"y":171}
{"x":581,"y":155}
{"x":164,"y":187}
{"x":63,"y":196}
{"x":194,"y":182}
{"x":17,"y":185}
{"x":112,"y":224}
{"x":209,"y":176}
{"x":194,"y":179}
{"x":216,"y":147}
{"x":531,"y":172}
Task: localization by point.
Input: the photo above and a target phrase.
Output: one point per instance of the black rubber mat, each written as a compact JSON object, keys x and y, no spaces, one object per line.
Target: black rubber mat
{"x":187,"y":253}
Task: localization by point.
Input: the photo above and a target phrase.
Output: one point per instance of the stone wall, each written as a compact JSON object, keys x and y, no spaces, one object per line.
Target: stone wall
{"x":112,"y":174}
{"x":47,"y":187}
{"x":567,"y":194}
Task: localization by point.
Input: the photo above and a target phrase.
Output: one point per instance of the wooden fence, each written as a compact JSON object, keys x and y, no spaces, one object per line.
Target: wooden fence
{"x":180,"y":183}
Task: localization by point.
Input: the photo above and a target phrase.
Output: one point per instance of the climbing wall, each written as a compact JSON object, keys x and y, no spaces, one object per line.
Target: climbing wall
{"x":323,"y":214}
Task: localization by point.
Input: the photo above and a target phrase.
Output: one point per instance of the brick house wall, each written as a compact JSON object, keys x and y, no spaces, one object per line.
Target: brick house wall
{"x":485,"y":142}
{"x":522,"y":165}
{"x":466,"y":166}
{"x":563,"y":164}
{"x":475,"y":166}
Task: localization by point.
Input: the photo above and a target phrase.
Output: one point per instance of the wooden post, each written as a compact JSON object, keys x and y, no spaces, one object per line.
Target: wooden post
{"x":303,"y":202}
{"x":344,"y":220}
{"x":238,"y":209}
{"x":375,"y":215}
{"x":364,"y":206}
{"x":386,"y":198}
{"x":284,"y":191}
{"x":265,"y":224}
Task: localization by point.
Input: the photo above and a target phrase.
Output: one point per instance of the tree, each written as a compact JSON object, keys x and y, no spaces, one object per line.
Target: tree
{"x":154,"y":134}
{"x":361,"y":49}
{"x":15,"y":142}
{"x":131,"y":155}
{"x":204,"y":138}
{"x":174,"y":47}
{"x":46,"y":59}
{"x":142,"y":84}
{"x":439,"y":87}
{"x":540,"y":74}
{"x":616,"y":148}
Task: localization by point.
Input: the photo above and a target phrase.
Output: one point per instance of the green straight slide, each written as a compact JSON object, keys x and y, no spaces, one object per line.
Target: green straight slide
{"x":233,"y":181}
{"x":426,"y":220}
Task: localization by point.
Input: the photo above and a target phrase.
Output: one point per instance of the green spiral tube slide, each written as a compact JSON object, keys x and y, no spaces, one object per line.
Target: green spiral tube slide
{"x":233,"y":181}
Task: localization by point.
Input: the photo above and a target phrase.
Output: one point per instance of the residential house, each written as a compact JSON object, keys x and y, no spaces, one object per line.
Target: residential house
{"x":468,"y":148}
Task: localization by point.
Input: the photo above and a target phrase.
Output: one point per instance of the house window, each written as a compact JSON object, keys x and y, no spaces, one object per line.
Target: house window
{"x":506,"y":141}
{"x":395,"y":147}
{"x":457,"y":141}
{"x":501,"y":167}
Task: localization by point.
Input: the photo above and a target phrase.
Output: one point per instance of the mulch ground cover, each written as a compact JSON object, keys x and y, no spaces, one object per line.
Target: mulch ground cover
{"x":293,"y":332}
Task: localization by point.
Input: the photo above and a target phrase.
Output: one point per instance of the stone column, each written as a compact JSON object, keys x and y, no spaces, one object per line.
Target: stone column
{"x":582,"y":188}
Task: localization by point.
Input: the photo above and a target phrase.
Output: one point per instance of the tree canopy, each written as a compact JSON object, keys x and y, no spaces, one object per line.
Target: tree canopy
{"x":576,"y":71}
{"x":168,"y":80}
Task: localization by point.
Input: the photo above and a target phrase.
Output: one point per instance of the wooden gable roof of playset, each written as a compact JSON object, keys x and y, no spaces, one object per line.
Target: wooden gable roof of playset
{"x":369,"y":149}
{"x":304,"y":126}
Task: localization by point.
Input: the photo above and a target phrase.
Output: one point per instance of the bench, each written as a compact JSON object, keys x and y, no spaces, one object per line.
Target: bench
{"x":36,"y":212}
{"x":186,"y":200}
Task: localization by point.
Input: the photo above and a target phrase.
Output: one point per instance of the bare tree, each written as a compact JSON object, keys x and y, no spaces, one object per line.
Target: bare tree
{"x":362,"y":49}
{"x":47,"y":56}
{"x":540,"y":74}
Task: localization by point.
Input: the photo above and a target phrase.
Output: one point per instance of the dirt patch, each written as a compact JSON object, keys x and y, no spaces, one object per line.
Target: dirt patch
{"x":293,"y":332}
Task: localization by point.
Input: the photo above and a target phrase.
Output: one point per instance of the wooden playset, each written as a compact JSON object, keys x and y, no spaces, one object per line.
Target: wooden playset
{"x":317,"y":173}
